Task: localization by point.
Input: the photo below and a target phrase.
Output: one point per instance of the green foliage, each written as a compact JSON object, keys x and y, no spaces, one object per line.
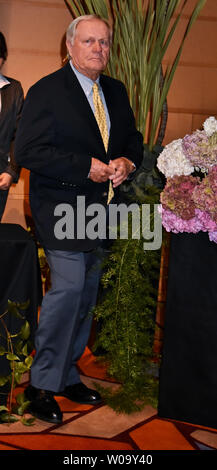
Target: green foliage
{"x":20,"y":360}
{"x":126,"y":312}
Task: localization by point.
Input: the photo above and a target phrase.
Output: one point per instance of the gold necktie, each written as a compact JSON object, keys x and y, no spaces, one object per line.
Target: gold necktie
{"x":100,"y":116}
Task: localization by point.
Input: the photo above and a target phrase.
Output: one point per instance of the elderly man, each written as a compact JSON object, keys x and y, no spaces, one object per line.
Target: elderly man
{"x":78,"y":138}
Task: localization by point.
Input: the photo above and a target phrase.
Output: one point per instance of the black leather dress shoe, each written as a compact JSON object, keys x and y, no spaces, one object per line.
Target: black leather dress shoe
{"x":43,"y":405}
{"x":81,"y":394}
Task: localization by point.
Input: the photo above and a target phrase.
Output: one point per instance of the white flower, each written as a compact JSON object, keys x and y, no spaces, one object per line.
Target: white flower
{"x":210,"y":126}
{"x":172,"y":160}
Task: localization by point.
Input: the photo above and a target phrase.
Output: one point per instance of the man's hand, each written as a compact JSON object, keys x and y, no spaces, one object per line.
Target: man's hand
{"x":121,"y":167}
{"x":5,"y":181}
{"x":100,"y":172}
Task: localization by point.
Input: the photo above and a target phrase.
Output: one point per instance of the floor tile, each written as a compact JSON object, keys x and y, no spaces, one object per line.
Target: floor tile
{"x":58,"y":442}
{"x":86,"y":427}
{"x":5,"y":447}
{"x":203,"y":447}
{"x":91,"y":366}
{"x":90,"y":382}
{"x":37,"y":427}
{"x":159,"y":435}
{"x":68,"y":405}
{"x":105,"y":423}
{"x":205,"y":437}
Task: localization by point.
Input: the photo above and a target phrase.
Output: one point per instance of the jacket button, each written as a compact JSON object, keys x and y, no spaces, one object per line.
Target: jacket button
{"x":105,"y":194}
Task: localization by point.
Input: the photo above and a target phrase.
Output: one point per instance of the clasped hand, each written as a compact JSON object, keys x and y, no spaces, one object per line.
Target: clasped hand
{"x":117,"y":170}
{"x":5,"y":181}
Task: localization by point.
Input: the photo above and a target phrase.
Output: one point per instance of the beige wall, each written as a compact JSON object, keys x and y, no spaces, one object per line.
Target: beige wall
{"x":193,"y":94}
{"x":34,"y":31}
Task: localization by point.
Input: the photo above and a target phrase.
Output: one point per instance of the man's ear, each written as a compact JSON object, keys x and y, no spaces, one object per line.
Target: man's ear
{"x":69,"y":48}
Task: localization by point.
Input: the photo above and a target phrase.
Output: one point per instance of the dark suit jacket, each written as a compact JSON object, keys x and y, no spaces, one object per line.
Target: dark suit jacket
{"x":57,"y":137}
{"x":11,"y":107}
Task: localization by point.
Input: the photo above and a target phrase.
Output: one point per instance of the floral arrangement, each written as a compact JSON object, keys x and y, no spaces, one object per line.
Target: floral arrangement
{"x":189,"y":199}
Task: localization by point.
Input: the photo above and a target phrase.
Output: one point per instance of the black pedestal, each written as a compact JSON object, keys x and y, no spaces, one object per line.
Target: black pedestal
{"x":188,"y":376}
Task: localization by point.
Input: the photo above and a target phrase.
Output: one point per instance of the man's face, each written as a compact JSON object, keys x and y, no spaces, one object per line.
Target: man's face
{"x":90,"y":50}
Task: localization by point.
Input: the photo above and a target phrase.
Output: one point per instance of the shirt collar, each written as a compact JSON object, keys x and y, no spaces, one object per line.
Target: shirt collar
{"x":3,"y":81}
{"x":86,"y":83}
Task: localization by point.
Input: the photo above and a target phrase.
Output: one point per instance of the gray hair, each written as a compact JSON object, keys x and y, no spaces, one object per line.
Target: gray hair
{"x":71,"y":31}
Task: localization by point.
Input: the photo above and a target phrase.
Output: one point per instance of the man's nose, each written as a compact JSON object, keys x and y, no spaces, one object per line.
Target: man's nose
{"x":97,"y":46}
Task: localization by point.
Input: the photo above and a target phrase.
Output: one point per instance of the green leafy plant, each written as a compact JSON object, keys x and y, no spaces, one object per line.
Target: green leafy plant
{"x":15,"y":348}
{"x":126,"y":312}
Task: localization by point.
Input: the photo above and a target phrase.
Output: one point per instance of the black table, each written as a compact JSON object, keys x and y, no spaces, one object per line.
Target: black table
{"x":20,"y":281}
{"x":188,"y":375}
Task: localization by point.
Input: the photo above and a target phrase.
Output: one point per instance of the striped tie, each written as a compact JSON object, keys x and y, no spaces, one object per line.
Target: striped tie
{"x":100,"y":116}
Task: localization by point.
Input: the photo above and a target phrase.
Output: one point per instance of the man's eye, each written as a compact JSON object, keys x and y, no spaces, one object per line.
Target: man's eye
{"x":104,"y":42}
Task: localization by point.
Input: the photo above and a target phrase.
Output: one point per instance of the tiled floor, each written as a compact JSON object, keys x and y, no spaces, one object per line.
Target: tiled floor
{"x":100,"y":428}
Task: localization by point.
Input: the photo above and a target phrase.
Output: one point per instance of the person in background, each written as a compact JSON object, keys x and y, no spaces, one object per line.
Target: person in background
{"x":77,"y":136}
{"x":11,"y":103}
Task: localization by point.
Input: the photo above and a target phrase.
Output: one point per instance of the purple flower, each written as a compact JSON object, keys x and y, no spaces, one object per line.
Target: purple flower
{"x":172,"y":223}
{"x":213,"y":236}
{"x":189,"y":204}
{"x":177,"y":196}
{"x":205,"y":194}
{"x":199,"y":150}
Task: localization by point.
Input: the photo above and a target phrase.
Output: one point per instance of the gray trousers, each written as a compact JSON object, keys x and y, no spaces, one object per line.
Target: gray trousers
{"x":65,"y":319}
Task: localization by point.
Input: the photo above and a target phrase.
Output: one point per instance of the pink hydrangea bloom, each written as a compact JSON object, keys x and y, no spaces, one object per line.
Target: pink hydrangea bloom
{"x":177,"y":196}
{"x":198,"y":148}
{"x":205,"y":221}
{"x":189,"y":203}
{"x":213,"y":236}
{"x":172,"y":223}
{"x":205,"y":194}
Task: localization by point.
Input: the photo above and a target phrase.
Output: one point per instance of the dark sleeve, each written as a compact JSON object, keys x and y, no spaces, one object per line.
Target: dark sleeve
{"x":12,"y":168}
{"x":37,"y":147}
